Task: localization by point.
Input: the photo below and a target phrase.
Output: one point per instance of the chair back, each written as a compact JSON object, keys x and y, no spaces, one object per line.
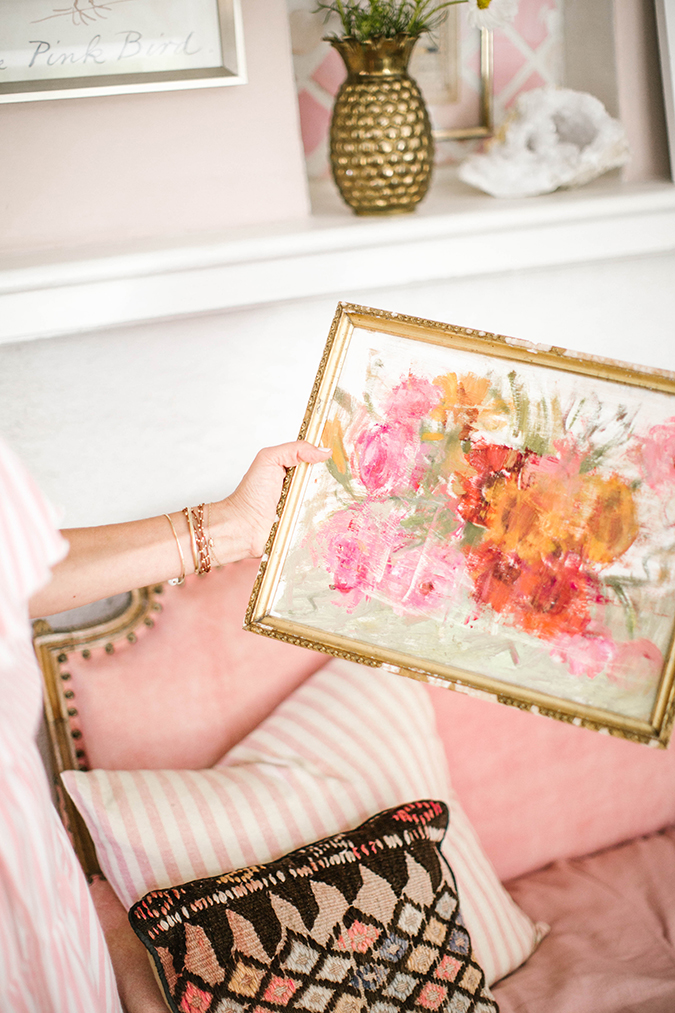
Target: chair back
{"x":163,"y":677}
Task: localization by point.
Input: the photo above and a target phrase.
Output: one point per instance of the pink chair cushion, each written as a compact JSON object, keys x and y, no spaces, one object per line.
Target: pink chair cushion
{"x":537,"y":790}
{"x":192,"y":686}
{"x":136,"y":983}
{"x":612,"y":941}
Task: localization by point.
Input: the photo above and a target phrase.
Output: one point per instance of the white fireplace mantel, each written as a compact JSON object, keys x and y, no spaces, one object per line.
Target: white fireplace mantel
{"x":456,"y":233}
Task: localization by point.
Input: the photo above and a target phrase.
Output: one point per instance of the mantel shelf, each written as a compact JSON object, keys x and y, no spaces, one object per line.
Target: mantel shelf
{"x":455,"y":233}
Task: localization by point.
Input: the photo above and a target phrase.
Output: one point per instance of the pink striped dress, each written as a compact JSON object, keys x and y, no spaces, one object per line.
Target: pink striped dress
{"x":53,"y":957}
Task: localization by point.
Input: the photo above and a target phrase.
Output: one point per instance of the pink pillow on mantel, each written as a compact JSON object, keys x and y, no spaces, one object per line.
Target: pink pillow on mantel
{"x":537,"y":790}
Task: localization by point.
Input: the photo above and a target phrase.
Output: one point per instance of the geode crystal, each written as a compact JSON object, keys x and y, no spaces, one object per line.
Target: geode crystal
{"x":555,"y":138}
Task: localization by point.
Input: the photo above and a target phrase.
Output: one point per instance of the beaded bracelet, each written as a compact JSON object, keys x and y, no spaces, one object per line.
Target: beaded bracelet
{"x":198,"y":540}
{"x":209,"y":537}
{"x":201,"y":539}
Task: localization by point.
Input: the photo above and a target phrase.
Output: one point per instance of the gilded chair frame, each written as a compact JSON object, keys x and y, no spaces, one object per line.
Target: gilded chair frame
{"x":65,"y":741}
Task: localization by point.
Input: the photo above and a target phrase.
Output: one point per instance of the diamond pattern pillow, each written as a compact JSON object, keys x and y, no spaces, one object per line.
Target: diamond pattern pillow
{"x":348,"y":743}
{"x":364,"y":920}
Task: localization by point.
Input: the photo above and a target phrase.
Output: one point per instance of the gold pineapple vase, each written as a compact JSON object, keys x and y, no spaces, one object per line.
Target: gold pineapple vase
{"x":381,"y":146}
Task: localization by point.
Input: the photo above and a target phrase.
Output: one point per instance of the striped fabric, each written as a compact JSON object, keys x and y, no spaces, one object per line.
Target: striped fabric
{"x":347,"y":744}
{"x":53,"y":958}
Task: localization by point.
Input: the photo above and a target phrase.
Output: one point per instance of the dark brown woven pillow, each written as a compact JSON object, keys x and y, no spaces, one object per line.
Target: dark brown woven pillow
{"x":366,"y":920}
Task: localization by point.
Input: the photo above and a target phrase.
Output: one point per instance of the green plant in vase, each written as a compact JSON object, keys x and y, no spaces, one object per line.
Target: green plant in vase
{"x":381,"y":144}
{"x":369,"y":19}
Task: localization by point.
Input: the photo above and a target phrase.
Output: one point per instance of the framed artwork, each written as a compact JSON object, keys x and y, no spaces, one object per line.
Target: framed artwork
{"x":81,"y":48}
{"x":497,"y":517}
{"x":457,"y":112}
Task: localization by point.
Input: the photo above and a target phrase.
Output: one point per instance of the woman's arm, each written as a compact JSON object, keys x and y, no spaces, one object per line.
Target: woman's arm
{"x":107,"y":560}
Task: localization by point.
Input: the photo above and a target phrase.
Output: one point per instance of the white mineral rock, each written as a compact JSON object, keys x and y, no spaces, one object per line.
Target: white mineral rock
{"x":556,"y":138}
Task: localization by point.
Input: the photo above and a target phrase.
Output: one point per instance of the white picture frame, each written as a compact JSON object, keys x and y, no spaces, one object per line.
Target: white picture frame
{"x":55,"y":49}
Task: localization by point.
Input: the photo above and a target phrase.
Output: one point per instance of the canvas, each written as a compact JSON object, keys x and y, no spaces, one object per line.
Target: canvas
{"x":495,"y":515}
{"x":85,"y":48}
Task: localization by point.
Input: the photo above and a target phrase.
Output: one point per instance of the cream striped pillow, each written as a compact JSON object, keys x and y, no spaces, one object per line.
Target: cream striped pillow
{"x":345,"y":745}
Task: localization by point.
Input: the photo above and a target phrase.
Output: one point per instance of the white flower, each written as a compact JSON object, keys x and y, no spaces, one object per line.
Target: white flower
{"x":491,"y":13}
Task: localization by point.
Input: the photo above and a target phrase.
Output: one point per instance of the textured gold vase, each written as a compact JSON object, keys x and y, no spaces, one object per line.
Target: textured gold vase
{"x":381,"y":147}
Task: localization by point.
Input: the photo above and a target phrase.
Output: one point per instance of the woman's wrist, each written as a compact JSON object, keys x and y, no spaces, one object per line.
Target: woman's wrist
{"x":229,"y":533}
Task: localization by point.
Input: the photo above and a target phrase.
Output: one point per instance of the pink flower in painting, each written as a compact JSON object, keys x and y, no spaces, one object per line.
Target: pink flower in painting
{"x":565,"y":465}
{"x":636,"y":661}
{"x":411,"y":400}
{"x":631,"y":662}
{"x":389,"y":459}
{"x":388,"y":456}
{"x":584,"y":654}
{"x":354,"y":546}
{"x":423,"y":579}
{"x":656,"y":456}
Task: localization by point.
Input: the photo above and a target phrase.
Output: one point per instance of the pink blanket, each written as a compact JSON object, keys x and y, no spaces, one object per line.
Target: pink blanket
{"x":611,"y":948}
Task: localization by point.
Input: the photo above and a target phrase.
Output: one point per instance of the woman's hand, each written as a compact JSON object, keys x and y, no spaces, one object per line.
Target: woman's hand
{"x":240,"y":525}
{"x":106,"y":560}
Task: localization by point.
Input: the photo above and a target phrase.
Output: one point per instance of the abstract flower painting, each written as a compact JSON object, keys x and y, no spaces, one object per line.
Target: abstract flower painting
{"x":496,"y":515}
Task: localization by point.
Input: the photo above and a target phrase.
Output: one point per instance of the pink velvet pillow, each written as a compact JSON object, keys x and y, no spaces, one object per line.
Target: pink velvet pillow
{"x":537,"y":790}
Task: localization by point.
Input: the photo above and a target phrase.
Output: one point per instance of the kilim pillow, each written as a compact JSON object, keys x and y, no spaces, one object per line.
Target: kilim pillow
{"x":364,"y":920}
{"x":346,"y":744}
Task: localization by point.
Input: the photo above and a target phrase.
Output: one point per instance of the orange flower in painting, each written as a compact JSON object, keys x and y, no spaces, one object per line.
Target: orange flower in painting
{"x":539,"y":520}
{"x":541,"y":514}
{"x":548,"y":529}
{"x":545,"y":597}
{"x":333,"y":437}
{"x":487,"y":467}
{"x":612,"y":524}
{"x":469,"y":402}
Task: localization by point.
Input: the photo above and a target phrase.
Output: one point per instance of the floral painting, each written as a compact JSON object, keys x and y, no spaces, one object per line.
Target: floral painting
{"x":505,"y":519}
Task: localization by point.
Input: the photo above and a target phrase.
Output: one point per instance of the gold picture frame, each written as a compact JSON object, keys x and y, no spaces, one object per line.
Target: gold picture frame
{"x":436,"y":66}
{"x":497,"y":517}
{"x":485,"y":126}
{"x":89,"y":48}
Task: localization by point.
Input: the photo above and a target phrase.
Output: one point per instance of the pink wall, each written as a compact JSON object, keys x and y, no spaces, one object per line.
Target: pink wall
{"x":158,"y":165}
{"x":166,"y":165}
